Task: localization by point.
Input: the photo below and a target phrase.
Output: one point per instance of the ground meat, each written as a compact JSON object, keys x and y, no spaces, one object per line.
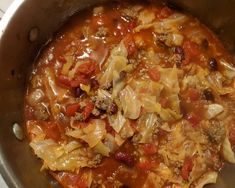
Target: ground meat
{"x":79,"y":117}
{"x":95,"y":112}
{"x":215,"y":131}
{"x":102,"y":32}
{"x":124,"y":158}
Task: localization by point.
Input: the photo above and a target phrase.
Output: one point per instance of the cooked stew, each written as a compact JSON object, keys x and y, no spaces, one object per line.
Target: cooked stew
{"x":132,"y":95}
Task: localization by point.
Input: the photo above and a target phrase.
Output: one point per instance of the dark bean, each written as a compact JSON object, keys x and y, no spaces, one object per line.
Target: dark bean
{"x":94,"y":84}
{"x":78,"y":92}
{"x":125,"y":158}
{"x":122,"y":75}
{"x":208,"y":95}
{"x":113,"y":109}
{"x":205,"y":44}
{"x":213,"y":64}
{"x":178,"y":50}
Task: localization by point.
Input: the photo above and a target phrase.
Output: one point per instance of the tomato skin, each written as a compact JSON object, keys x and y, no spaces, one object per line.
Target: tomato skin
{"x":149,"y":149}
{"x":79,"y":80}
{"x":165,"y":12}
{"x":154,"y":74}
{"x":165,"y":103}
{"x":193,"y":94}
{"x":71,"y":180}
{"x":130,"y":44}
{"x":88,"y":109}
{"x":72,"y":109}
{"x":64,"y":80}
{"x":191,"y":49}
{"x":87,"y":68}
{"x":62,"y":60}
{"x":147,"y":165}
{"x":187,"y":168}
{"x":51,"y":130}
{"x":193,"y":119}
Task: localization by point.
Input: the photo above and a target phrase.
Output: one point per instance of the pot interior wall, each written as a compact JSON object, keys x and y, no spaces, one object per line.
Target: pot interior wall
{"x":19,"y":167}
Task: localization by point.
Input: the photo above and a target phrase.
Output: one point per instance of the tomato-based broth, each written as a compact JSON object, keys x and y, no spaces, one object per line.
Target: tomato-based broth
{"x":132,"y":95}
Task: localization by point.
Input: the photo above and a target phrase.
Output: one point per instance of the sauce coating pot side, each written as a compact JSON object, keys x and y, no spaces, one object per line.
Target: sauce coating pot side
{"x":25,"y":28}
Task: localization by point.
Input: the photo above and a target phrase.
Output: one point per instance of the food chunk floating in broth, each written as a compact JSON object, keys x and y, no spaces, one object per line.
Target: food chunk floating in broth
{"x":132,"y":95}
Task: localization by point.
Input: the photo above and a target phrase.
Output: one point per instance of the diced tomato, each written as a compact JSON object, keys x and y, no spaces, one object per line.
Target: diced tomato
{"x":165,"y":12}
{"x":61,"y":59}
{"x":131,"y":25}
{"x":88,"y":109}
{"x":165,"y":103}
{"x":71,"y":180}
{"x":130,"y":44}
{"x":64,"y":80}
{"x":79,"y":80}
{"x":51,"y":130}
{"x":87,"y":68}
{"x":71,"y":109}
{"x":147,"y":165}
{"x":193,"y":94}
{"x":193,"y":119}
{"x":154,"y":74}
{"x":232,"y":134}
{"x":187,"y":168}
{"x":125,"y":158}
{"x":191,"y":49}
{"x":150,"y":149}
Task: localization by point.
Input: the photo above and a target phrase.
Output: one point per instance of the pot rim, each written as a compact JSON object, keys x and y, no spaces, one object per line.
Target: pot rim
{"x":5,"y":171}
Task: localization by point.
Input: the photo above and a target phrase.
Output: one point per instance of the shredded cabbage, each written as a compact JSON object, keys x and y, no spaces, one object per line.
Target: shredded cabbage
{"x":92,"y":134}
{"x":69,"y":157}
{"x":117,"y":121}
{"x":116,"y":62}
{"x":146,"y":126}
{"x":130,"y":103}
{"x":229,"y":70}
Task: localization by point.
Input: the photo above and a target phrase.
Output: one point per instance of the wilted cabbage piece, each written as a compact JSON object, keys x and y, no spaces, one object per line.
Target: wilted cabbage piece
{"x":207,"y":178}
{"x":68,"y":157}
{"x":146,"y":16}
{"x":130,"y":103}
{"x":216,"y":83}
{"x":115,"y":63}
{"x":117,"y":121}
{"x":227,"y":151}
{"x":229,"y":70}
{"x":92,"y":134}
{"x":147,"y":126}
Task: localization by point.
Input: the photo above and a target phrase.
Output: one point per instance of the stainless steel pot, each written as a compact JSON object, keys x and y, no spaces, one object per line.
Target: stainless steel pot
{"x":25,"y":28}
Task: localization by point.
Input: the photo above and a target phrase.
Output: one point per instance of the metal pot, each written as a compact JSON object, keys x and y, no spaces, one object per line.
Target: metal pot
{"x":25,"y":28}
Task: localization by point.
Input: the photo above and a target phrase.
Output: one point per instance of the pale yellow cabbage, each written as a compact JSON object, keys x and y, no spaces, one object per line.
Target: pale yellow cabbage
{"x":216,"y":83}
{"x":229,"y":70}
{"x":130,"y":103}
{"x":147,"y":125}
{"x":65,"y":157}
{"x":117,"y":121}
{"x":227,"y":151}
{"x":146,"y":16}
{"x":207,"y":178}
{"x":213,"y":110}
{"x":92,"y":134}
{"x":116,"y":62}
